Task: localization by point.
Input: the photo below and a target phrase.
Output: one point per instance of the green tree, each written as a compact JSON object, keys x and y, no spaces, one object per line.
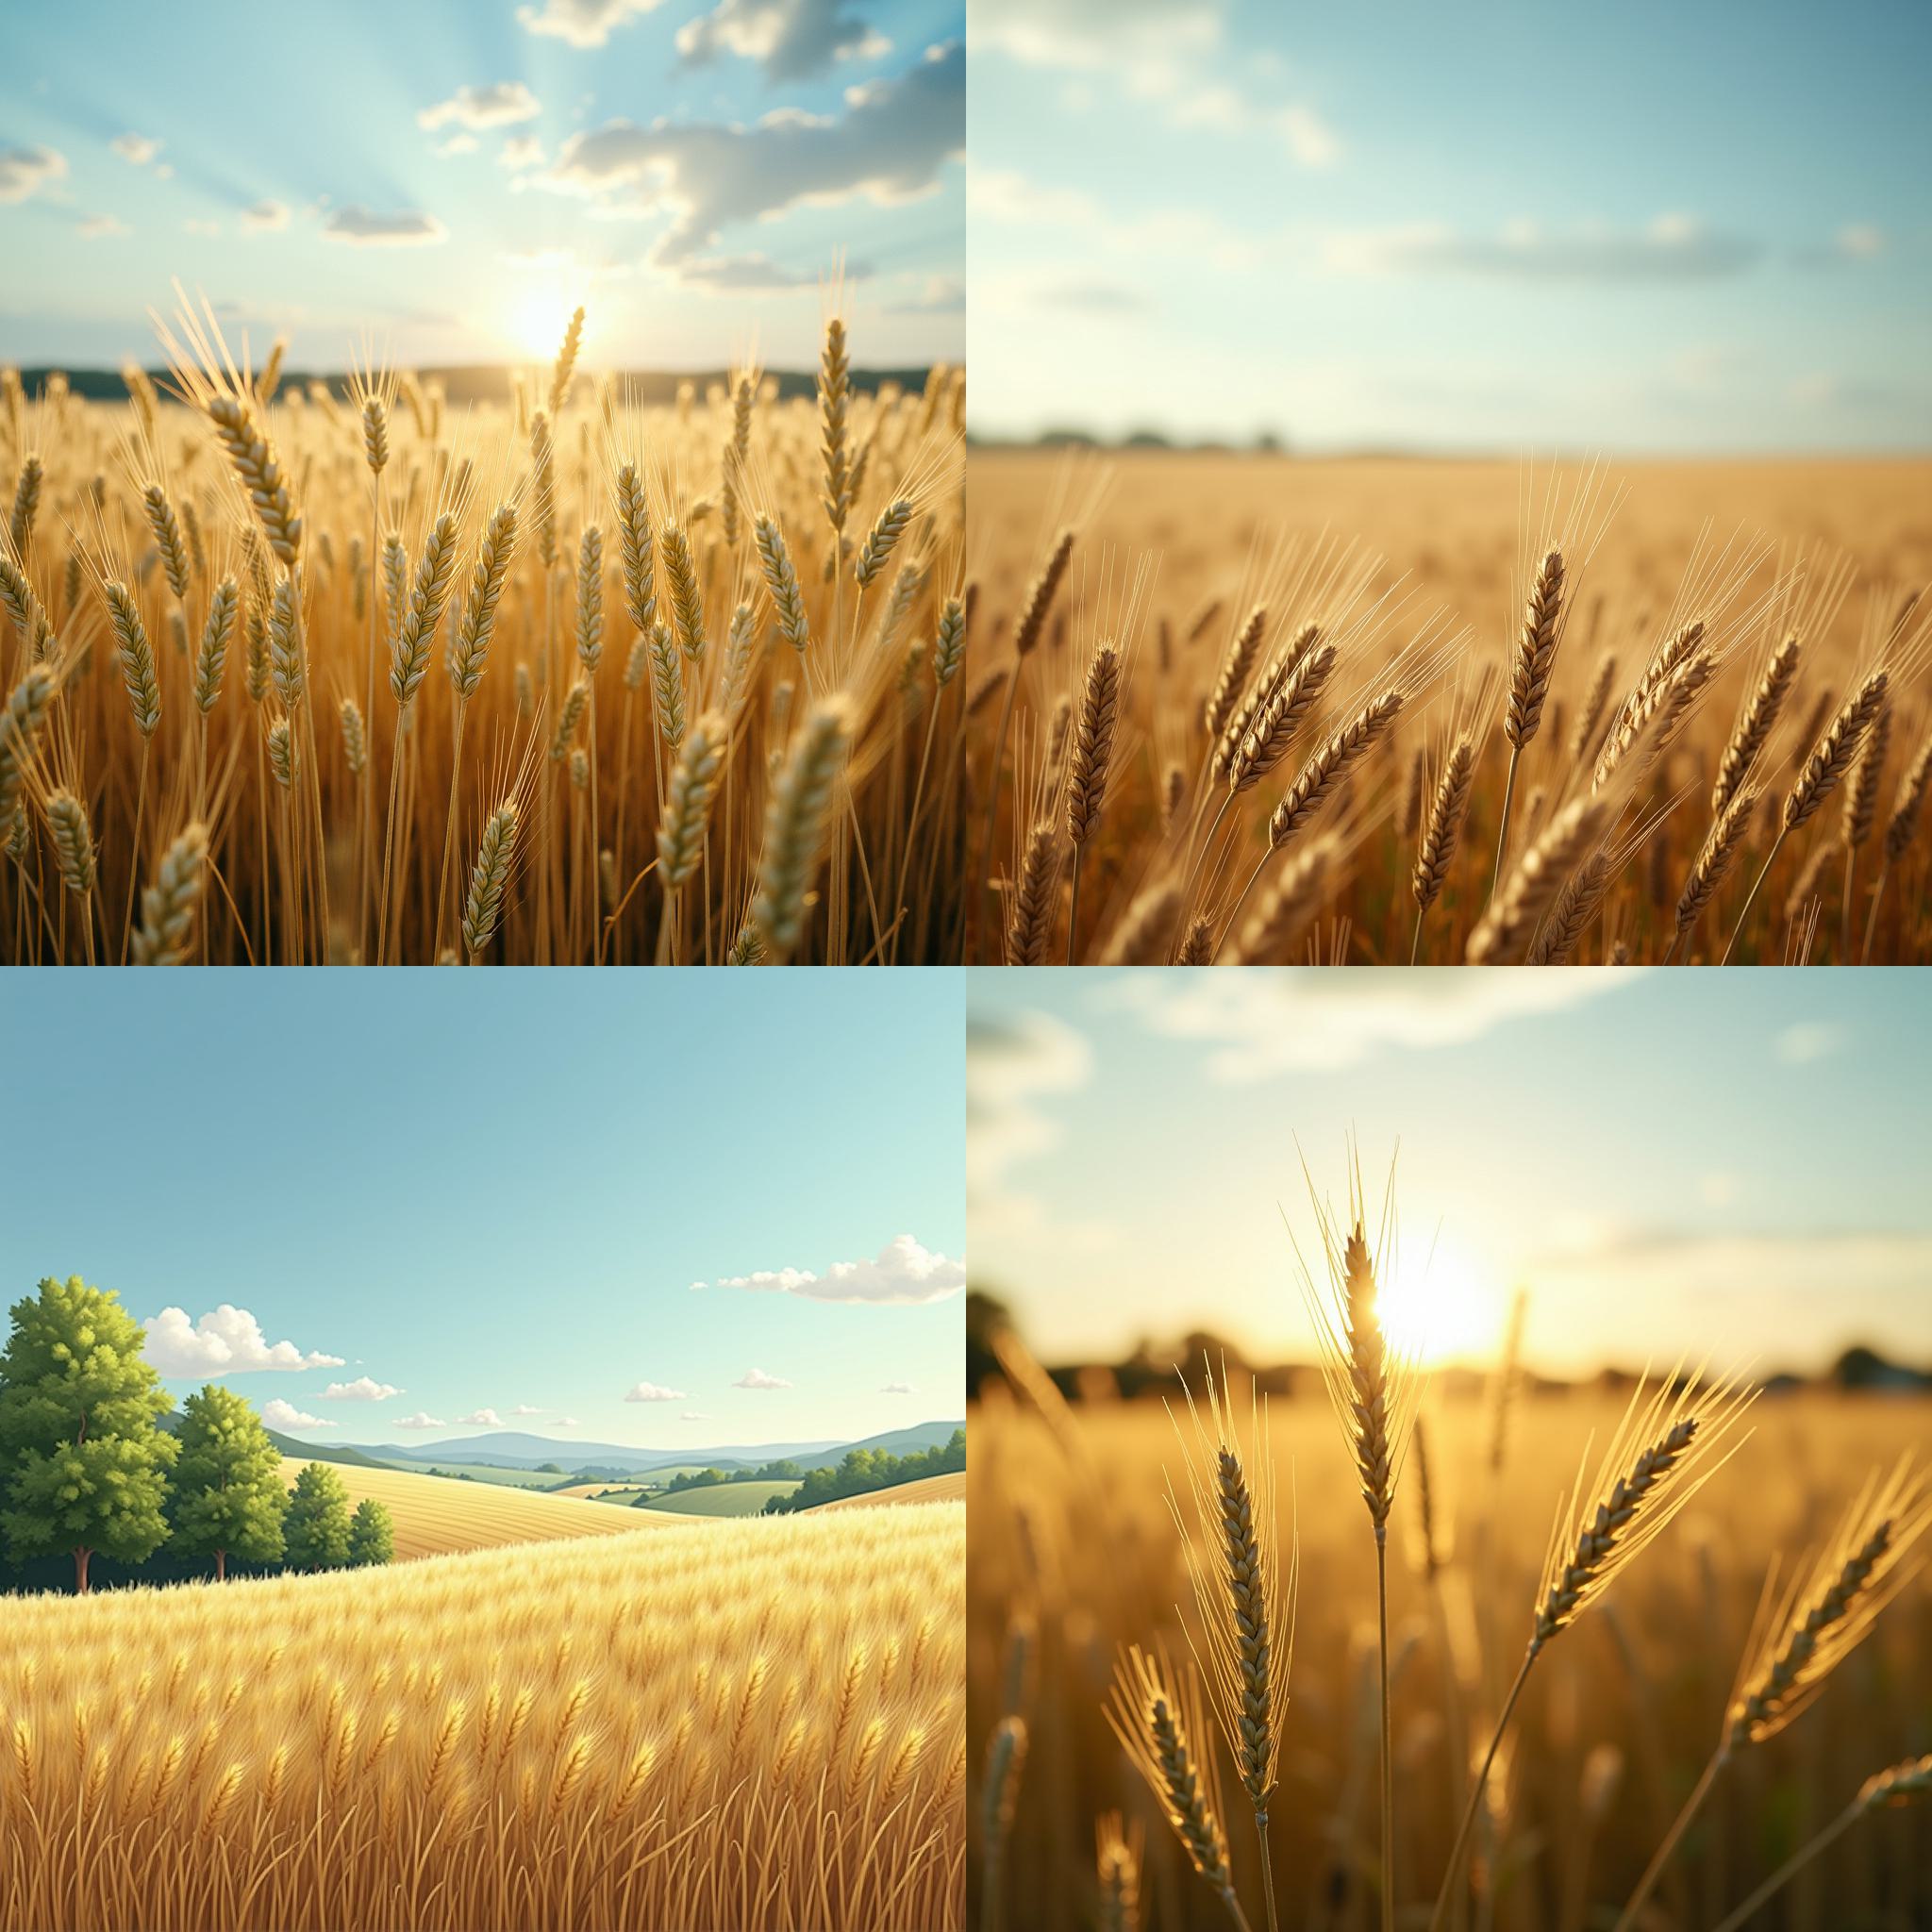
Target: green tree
{"x":316,"y":1528}
{"x":228,"y":1494}
{"x":86,"y":1462}
{"x":372,"y":1535}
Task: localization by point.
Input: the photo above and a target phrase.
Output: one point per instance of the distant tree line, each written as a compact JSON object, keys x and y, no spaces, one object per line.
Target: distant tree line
{"x":87,"y":1470}
{"x":786,"y":1472}
{"x":861,"y":1471}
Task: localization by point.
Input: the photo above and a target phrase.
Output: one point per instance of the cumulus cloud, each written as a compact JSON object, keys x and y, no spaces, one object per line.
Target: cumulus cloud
{"x":363,"y":1389}
{"x":1309,"y":139}
{"x":898,"y":1389}
{"x":582,"y":23}
{"x":521,"y":151}
{"x":888,"y":145}
{"x":484,"y":1418}
{"x":102,"y":228}
{"x":566,"y":1421}
{"x":228,"y":1342}
{"x":756,"y":1378}
{"x":525,"y":1409}
{"x":366,"y":228}
{"x":649,"y":1391}
{"x":279,"y":1414}
{"x":791,"y":39}
{"x":502,"y":106}
{"x":26,"y":171}
{"x":900,"y":1271}
{"x":691,"y":1415}
{"x":265,"y":217}
{"x":421,"y":1420}
{"x":137,"y":148}
{"x":458,"y":145}
{"x":1673,"y":248}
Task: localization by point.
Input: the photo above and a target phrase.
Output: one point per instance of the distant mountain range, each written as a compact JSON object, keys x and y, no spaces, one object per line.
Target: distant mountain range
{"x":513,"y":1449}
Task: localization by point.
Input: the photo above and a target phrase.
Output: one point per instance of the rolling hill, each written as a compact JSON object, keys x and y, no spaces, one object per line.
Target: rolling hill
{"x":434,"y":1517}
{"x":717,"y":1499}
{"x":516,"y":1449}
{"x":950,"y":1488}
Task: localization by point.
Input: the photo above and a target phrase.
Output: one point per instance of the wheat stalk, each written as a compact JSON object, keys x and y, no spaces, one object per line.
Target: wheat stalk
{"x":1754,"y":728}
{"x":1511,"y":915}
{"x":167,"y":906}
{"x":796,"y":822}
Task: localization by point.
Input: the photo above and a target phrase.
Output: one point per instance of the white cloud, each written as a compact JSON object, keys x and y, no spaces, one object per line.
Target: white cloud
{"x":525,"y":1409}
{"x":756,"y":1378}
{"x":228,"y":1342}
{"x":691,"y":1415}
{"x":566,"y":1421}
{"x":792,"y":39}
{"x":649,"y":1391}
{"x":366,"y":228}
{"x":502,"y":106}
{"x":1259,"y":1025}
{"x":582,"y":23}
{"x":279,"y":1414}
{"x":900,"y":1271}
{"x":1013,"y":1066}
{"x":898,"y":1389}
{"x":1808,"y":1040}
{"x":484,"y":1418}
{"x":363,"y":1389}
{"x":1309,"y":139}
{"x":137,"y":148}
{"x":521,"y":151}
{"x":24,"y":171}
{"x":102,"y":228}
{"x":888,"y":146}
{"x":458,"y":145}
{"x":421,"y":1420}
{"x":265,"y":217}
{"x":1671,"y":248}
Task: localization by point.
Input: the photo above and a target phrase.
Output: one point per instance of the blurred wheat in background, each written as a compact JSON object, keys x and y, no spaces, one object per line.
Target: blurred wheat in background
{"x":340,"y":673}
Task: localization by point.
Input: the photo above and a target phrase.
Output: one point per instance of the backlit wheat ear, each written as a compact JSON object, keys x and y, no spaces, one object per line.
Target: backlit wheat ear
{"x":483,"y":903}
{"x":1655,"y":714}
{"x":635,"y":544}
{"x":212,"y":656}
{"x":1830,"y":1607}
{"x":1156,"y":1713}
{"x":166,"y":526}
{"x":687,"y":798}
{"x":1040,"y":597}
{"x":1117,"y":1868}
{"x":1755,"y":728}
{"x":74,"y":844}
{"x":1511,"y":917}
{"x":667,"y":684}
{"x":284,"y":755}
{"x":880,"y":541}
{"x":1288,"y":906}
{"x":1585,"y":733}
{"x":835,"y":370}
{"x":27,"y":505}
{"x":591,"y":598}
{"x":1258,"y":696}
{"x":1244,"y":1589}
{"x":1232,"y":680}
{"x":1327,"y":767}
{"x":1713,"y":862}
{"x":1576,"y":905}
{"x":1831,"y":758}
{"x":374,"y":434}
{"x":470,"y":648}
{"x":167,"y":905}
{"x":686,"y":603}
{"x":1907,"y":804}
{"x":253,"y":457}
{"x":26,"y":711}
{"x":1197,"y":943}
{"x":1447,"y":811}
{"x":1035,"y":897}
{"x":1280,"y":717}
{"x":569,"y":714}
{"x":566,"y":364}
{"x":137,"y":658}
{"x":354,"y":737}
{"x":1005,"y":1760}
{"x":1860,"y":808}
{"x":796,"y":822}
{"x":410,"y":658}
{"x":23,"y":604}
{"x":781,"y":582}
{"x":1141,"y":938}
{"x":1087,"y":773}
{"x":1535,"y":651}
{"x":1674,"y":1439}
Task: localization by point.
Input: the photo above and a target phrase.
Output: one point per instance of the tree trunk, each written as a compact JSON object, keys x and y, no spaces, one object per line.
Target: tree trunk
{"x":221,"y":1566}
{"x":80,"y":1563}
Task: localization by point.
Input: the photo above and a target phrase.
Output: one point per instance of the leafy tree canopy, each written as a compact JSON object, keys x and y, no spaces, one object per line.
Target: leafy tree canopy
{"x":316,"y":1529}
{"x":228,"y":1494}
{"x":372,"y":1534}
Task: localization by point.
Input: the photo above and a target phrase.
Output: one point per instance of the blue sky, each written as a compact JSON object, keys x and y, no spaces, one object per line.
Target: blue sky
{"x":1671,"y":1163}
{"x":1642,"y":227}
{"x":492,"y":1191}
{"x":454,"y":178}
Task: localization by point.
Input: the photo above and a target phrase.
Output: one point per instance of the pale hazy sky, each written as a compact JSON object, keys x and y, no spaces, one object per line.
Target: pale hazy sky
{"x":1670,"y":1164}
{"x":1493,"y":225}
{"x":453,"y":175}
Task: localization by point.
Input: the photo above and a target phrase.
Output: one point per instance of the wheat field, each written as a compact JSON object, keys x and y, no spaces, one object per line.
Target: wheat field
{"x":757,"y":1726}
{"x":437,"y":1516}
{"x":1075,"y":1553}
{"x":298,"y":675}
{"x":1250,"y":710}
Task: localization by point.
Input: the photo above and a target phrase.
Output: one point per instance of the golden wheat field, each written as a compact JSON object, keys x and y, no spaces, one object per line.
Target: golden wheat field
{"x":754,"y":1725}
{"x":293,"y":675}
{"x":436,"y":1516}
{"x":1369,"y":712}
{"x":1075,"y":1553}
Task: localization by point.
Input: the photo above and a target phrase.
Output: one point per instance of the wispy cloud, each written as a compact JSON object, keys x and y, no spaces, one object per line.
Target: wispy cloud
{"x":691,"y":1415}
{"x":279,"y":1414}
{"x":756,"y":1378}
{"x":902,"y":1272}
{"x":649,"y":1391}
{"x":26,"y":170}
{"x":265,"y":217}
{"x":502,"y":106}
{"x":1671,"y":248}
{"x":138,"y":148}
{"x":582,"y":23}
{"x":1014,"y":1066}
{"x":226,"y":1341}
{"x":941,"y":296}
{"x":365,"y":227}
{"x":898,"y":1389}
{"x":104,"y":228}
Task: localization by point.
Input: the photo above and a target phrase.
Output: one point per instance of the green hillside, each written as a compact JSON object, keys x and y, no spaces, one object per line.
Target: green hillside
{"x":720,"y":1499}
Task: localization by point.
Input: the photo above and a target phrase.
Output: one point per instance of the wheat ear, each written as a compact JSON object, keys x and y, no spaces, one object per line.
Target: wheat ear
{"x":1448,"y":809}
{"x":1755,"y":728}
{"x":795,"y":820}
{"x":1277,"y":719}
{"x":483,"y":904}
{"x":167,"y":906}
{"x":1233,"y":676}
{"x":1326,"y":770}
{"x":1714,"y":860}
{"x":1511,"y":917}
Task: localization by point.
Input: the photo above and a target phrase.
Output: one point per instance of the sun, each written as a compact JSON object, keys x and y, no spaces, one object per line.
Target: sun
{"x":1442,"y":1305}
{"x":539,"y":317}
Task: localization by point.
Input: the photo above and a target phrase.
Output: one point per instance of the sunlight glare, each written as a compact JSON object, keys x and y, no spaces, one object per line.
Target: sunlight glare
{"x":1443,"y":1306}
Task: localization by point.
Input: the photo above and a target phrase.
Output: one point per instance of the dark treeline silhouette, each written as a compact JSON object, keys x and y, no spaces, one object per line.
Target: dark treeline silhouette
{"x":859,"y":1472}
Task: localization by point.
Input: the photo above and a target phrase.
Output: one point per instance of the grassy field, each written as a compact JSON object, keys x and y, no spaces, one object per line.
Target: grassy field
{"x":563,"y":1734}
{"x":927,"y":1488}
{"x":483,"y":1472}
{"x":1074,"y":1553}
{"x":1365,"y":838}
{"x":558,"y":679}
{"x":725,"y":1499}
{"x":600,"y":1492}
{"x":434,"y":1516}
